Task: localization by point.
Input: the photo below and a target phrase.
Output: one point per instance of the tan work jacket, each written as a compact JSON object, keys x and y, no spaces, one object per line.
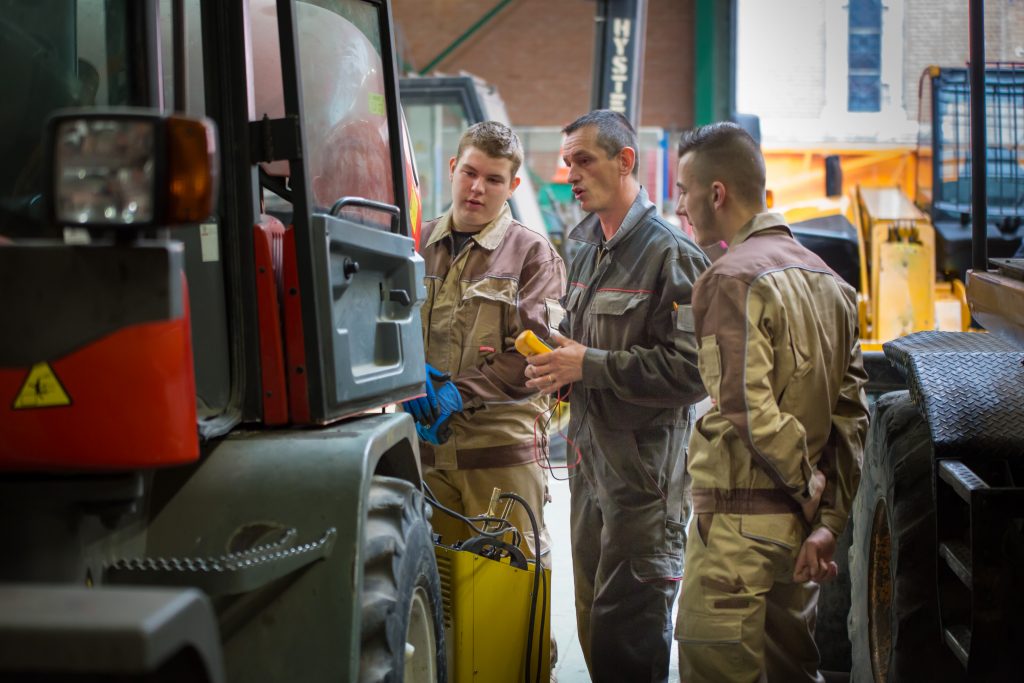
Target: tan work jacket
{"x":781,"y":360}
{"x":507,"y":278}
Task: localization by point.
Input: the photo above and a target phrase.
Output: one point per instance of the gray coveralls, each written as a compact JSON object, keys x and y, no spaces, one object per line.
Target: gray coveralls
{"x":631,"y":414}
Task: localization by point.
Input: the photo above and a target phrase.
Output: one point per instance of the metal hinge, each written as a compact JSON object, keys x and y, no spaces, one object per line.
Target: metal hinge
{"x":275,"y":139}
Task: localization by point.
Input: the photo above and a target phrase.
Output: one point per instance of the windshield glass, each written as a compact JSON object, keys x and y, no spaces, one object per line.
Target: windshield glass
{"x":343,"y":98}
{"x":53,"y":54}
{"x":435,"y":129}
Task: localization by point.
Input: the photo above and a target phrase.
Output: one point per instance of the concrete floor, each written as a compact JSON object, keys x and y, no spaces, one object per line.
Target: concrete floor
{"x":570,"y":667}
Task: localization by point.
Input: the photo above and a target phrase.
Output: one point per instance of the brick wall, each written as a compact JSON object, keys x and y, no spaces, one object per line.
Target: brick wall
{"x":539,"y":54}
{"x":936,"y":32}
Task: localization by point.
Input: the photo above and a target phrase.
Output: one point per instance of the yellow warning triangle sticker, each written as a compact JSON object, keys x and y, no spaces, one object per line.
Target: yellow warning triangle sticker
{"x":41,"y":389}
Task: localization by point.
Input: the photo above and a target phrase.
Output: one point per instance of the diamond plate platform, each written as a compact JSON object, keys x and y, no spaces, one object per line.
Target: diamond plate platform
{"x":970,"y":388}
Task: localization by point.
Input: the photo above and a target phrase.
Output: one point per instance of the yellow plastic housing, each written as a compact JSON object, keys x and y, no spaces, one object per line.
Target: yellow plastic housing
{"x":486,"y":616}
{"x":529,"y":344}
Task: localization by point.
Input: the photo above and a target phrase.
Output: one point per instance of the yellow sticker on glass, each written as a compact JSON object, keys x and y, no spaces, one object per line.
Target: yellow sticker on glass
{"x":377,"y":104}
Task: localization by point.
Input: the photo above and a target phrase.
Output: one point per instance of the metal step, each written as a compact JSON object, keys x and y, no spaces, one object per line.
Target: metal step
{"x":958,"y":557}
{"x":961,"y":478}
{"x":959,"y":640}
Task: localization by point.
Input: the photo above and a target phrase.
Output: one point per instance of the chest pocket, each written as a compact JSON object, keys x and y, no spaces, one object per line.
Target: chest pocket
{"x":617,"y":319}
{"x":483,"y":316}
{"x":611,"y":302}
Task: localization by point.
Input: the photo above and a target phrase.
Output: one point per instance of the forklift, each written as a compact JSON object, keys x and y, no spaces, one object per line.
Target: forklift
{"x":209,"y":294}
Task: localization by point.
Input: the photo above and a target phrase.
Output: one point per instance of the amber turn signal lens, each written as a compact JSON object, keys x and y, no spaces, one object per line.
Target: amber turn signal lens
{"x":191,"y":170}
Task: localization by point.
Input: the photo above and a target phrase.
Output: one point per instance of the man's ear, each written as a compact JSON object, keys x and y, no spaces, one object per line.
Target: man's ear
{"x":451,"y":165}
{"x":627,"y":159}
{"x":718,"y":193}
{"x":515,"y":183}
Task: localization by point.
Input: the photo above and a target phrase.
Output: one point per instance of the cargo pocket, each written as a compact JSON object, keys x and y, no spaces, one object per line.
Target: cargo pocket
{"x":675,"y":536}
{"x":709,"y":629}
{"x":483,"y":315}
{"x":709,"y":362}
{"x":651,"y":568}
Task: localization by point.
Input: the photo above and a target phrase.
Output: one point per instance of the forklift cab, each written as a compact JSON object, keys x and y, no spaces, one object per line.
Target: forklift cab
{"x":270,"y":324}
{"x":439,"y":109}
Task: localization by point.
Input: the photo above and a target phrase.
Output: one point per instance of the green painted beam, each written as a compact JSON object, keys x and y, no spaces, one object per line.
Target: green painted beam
{"x":466,"y":35}
{"x":713,"y":60}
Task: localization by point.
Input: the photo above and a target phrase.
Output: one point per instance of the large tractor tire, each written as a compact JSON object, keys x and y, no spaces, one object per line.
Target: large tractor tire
{"x":402,"y":613}
{"x":894,"y":616}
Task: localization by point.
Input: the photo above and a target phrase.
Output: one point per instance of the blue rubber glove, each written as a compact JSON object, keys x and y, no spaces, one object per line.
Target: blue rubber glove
{"x":442,"y":396}
{"x":437,"y":433}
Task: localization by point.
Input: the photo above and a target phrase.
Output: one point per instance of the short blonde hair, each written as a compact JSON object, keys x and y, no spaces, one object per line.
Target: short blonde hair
{"x":494,"y":139}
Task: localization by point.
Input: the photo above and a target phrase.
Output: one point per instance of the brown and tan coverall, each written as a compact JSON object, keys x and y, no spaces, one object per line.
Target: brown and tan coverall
{"x":505,"y":279}
{"x":630,"y":417}
{"x":780,"y":357}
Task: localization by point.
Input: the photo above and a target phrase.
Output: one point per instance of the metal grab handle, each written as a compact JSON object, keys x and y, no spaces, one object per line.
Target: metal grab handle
{"x":394,"y":211}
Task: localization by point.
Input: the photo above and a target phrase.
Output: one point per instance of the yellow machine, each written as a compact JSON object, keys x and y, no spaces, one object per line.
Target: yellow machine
{"x":898,"y":290}
{"x":899,"y":293}
{"x":497,"y":607}
{"x":487,"y":605}
{"x":911,"y":254}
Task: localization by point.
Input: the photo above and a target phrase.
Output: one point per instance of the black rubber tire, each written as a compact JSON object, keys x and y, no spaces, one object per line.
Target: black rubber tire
{"x":830,"y":631}
{"x":896,"y":480}
{"x":398,"y":557}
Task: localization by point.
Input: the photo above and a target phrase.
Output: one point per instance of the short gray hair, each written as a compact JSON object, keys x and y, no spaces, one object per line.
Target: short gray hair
{"x":614,"y":131}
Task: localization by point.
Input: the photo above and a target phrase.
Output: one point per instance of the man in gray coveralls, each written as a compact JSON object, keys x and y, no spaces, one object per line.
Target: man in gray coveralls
{"x":630,"y":354}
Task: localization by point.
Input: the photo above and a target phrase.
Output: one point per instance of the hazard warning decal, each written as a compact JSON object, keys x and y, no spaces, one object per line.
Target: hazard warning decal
{"x":41,"y":389}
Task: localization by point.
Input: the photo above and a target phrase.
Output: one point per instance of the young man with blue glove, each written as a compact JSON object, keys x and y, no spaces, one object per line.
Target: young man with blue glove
{"x":488,"y":278}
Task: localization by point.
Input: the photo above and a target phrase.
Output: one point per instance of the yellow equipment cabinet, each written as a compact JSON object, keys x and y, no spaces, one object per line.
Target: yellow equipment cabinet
{"x":899,"y":293}
{"x":487,"y":616}
{"x":901,"y":243}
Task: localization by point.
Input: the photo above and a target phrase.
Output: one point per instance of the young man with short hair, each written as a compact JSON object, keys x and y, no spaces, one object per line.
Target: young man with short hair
{"x":488,"y":278}
{"x":776,"y":461}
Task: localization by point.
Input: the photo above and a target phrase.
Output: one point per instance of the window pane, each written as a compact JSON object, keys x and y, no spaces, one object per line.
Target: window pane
{"x":866,"y":51}
{"x":435,"y":130}
{"x":865,"y":93}
{"x":52,"y":55}
{"x":344,"y":104}
{"x":865,"y":13}
{"x":864,"y":57}
{"x":195,"y":95}
{"x":343,"y":98}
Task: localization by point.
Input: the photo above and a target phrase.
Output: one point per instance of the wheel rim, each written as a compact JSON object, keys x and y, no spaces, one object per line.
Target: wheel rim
{"x":880,"y":593}
{"x":420,"y":642}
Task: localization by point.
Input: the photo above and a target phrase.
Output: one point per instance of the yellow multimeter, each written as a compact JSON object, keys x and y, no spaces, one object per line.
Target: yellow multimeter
{"x":529,"y":344}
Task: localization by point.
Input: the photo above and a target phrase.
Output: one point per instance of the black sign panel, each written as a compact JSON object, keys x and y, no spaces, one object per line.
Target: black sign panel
{"x":618,"y":56}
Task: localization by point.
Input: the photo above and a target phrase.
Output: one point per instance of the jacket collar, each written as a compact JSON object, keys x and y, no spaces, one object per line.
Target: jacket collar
{"x":589,"y":229}
{"x":759,"y":223}
{"x":489,"y":237}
